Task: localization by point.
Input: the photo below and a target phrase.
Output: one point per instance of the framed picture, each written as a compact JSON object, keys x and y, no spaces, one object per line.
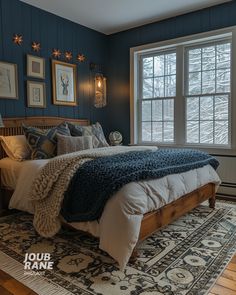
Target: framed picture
{"x":35,"y":66}
{"x":64,"y":83}
{"x":36,"y":94}
{"x":8,"y":80}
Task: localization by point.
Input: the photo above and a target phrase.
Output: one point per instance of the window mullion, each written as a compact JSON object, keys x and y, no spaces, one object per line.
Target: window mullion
{"x":140,"y":98}
{"x":199,"y":119}
{"x":232,"y":97}
{"x":179,"y":102}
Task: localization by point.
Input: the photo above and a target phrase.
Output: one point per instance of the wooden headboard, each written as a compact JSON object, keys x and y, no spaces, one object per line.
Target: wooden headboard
{"x":13,"y":126}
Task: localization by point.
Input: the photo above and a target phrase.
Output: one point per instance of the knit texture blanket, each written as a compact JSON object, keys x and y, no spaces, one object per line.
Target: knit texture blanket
{"x":48,"y":189}
{"x":96,"y":181}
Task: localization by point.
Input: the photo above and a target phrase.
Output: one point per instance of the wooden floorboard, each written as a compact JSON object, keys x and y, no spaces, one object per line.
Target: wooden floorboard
{"x":220,"y":290}
{"x":229,"y":274}
{"x":225,"y":285}
{"x":231,"y":266}
{"x":4,"y":291}
{"x":234,"y":259}
{"x":10,"y":286}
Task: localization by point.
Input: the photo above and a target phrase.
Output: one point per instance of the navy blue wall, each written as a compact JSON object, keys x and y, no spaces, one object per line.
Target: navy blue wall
{"x":52,"y":32}
{"x":110,"y":51}
{"x":119,"y":44}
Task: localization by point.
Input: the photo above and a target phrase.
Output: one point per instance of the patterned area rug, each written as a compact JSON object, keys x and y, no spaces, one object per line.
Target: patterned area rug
{"x":184,"y":258}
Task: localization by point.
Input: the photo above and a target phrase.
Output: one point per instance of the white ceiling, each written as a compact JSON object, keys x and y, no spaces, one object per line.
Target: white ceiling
{"x":111,"y":16}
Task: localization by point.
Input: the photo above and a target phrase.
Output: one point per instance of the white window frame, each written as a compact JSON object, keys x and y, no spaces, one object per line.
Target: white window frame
{"x":180,"y":44}
{"x":185,"y":91}
{"x":154,"y":98}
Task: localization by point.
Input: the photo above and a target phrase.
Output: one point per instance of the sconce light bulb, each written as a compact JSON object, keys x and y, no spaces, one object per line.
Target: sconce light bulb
{"x":99,"y":84}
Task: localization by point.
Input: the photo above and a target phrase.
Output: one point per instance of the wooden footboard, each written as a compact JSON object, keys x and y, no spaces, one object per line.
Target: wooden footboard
{"x":156,"y":220}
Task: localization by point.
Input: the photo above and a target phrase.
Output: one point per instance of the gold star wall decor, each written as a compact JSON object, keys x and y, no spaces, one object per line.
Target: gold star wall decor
{"x":56,"y":53}
{"x":17,"y":39}
{"x":68,"y":55}
{"x":81,"y":57}
{"x":36,"y":46}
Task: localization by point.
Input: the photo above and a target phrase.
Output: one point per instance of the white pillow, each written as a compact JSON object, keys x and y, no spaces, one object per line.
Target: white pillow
{"x":16,"y":147}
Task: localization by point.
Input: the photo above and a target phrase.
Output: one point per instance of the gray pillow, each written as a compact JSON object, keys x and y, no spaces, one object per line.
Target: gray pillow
{"x":94,"y":129}
{"x":98,"y":132}
{"x":70,"y":144}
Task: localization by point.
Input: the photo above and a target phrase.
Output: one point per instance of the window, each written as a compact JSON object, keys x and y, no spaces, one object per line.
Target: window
{"x":208,"y":93}
{"x":158,"y":93}
{"x":183,"y":92}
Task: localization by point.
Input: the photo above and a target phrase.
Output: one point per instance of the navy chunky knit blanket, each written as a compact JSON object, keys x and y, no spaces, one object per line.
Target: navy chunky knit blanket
{"x":97,"y":180}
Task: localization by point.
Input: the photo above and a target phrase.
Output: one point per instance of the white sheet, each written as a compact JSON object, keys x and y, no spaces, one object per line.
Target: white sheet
{"x":119,"y":226}
{"x":10,"y":171}
{"x":20,"y":197}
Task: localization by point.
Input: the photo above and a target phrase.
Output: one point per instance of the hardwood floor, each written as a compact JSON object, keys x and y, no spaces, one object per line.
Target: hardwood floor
{"x":225,"y":285}
{"x":10,"y":286}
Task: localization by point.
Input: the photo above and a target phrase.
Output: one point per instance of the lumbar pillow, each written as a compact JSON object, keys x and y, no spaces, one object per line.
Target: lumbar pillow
{"x":43,"y":143}
{"x":70,"y":144}
{"x":16,"y":147}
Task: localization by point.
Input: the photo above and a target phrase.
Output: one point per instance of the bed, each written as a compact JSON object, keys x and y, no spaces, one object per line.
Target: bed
{"x":149,"y":221}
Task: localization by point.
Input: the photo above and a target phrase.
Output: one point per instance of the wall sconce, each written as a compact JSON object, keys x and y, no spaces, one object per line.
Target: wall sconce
{"x":100,"y":88}
{"x":100,"y":99}
{"x":1,"y":122}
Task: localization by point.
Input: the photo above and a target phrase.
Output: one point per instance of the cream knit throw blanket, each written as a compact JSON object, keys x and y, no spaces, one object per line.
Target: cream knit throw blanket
{"x":51,"y":183}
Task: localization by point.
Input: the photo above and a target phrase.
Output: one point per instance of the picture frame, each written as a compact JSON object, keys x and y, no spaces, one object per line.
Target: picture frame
{"x":36,"y":94}
{"x":64,"y":83}
{"x":8,"y":80}
{"x":35,"y":66}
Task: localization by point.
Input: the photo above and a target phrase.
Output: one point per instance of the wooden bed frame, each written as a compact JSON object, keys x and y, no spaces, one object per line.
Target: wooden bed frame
{"x":151,"y":221}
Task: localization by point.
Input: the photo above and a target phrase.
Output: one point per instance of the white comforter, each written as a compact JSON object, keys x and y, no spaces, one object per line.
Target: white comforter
{"x":119,"y":226}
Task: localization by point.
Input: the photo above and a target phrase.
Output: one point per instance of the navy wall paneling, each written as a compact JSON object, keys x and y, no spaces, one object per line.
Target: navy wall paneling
{"x":52,"y":32}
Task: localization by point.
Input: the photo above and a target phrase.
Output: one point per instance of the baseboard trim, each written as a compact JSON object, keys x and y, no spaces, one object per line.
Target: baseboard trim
{"x":226,"y":197}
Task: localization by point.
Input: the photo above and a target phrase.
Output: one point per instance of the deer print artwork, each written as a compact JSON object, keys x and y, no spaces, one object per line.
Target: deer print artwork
{"x":65,"y":84}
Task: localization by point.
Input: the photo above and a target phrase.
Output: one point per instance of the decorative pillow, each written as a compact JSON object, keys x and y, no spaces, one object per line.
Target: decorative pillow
{"x":16,"y":147}
{"x":98,"y":132}
{"x":75,"y":130}
{"x":95,"y":129}
{"x":70,"y":144}
{"x":43,"y":143}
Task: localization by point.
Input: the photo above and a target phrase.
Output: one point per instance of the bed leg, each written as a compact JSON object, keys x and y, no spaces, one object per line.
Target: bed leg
{"x":212,"y":201}
{"x":134,"y":256}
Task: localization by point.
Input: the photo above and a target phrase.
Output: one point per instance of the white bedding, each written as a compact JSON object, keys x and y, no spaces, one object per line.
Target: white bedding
{"x":10,"y":171}
{"x":125,"y":209}
{"x":20,"y":198}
